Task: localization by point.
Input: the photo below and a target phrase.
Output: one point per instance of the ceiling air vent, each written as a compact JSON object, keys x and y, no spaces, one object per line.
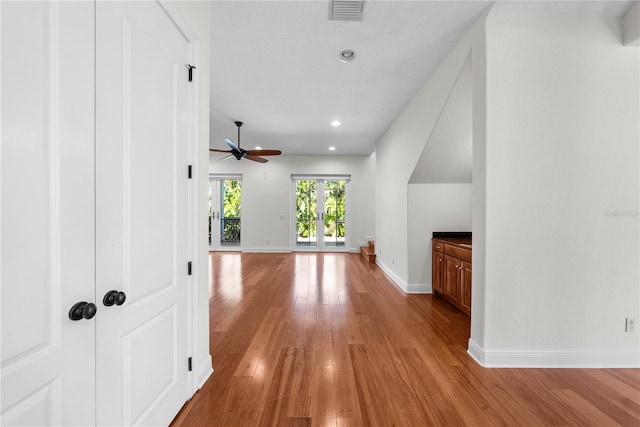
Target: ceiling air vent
{"x":346,"y":10}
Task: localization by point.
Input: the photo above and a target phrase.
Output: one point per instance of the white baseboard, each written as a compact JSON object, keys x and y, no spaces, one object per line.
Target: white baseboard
{"x":404,"y":286}
{"x":551,"y":359}
{"x":205,"y":370}
{"x":393,"y":276}
{"x":419,"y":288}
{"x":267,"y":250}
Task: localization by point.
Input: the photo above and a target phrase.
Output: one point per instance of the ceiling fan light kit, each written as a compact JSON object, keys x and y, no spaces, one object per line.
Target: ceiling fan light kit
{"x":240,"y":153}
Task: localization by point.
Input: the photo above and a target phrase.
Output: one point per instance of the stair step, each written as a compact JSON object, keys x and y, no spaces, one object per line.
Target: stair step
{"x":368,"y":252}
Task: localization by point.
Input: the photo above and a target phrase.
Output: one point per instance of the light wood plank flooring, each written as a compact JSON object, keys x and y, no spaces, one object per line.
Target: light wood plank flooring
{"x":328,"y":340}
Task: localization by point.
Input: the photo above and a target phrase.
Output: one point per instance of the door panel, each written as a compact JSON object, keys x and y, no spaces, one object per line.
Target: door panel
{"x":142,"y":213}
{"x":306,"y":214}
{"x":334,"y":213}
{"x":225,"y":201}
{"x":47,"y":199}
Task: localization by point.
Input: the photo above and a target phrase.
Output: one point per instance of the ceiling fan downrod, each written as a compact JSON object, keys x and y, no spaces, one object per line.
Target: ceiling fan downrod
{"x":238,"y":123}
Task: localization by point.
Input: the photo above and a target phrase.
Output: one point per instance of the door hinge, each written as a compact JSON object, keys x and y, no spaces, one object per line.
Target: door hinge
{"x":189,"y":268}
{"x":190,"y":172}
{"x":190,"y":365}
{"x":191,"y":68}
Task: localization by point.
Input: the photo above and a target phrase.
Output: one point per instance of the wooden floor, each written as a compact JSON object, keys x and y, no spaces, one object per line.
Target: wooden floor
{"x":327,"y":340}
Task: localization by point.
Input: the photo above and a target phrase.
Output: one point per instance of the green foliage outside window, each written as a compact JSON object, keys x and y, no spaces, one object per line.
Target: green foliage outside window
{"x":334,"y":208}
{"x":232,"y":197}
{"x":306,"y":208}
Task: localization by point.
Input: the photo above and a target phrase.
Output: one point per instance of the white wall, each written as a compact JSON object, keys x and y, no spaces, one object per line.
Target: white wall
{"x":562,"y":194}
{"x":631,"y":26}
{"x":433,"y":207}
{"x":397,"y":156}
{"x":196,"y":15}
{"x":448,"y":154}
{"x":439,"y":193}
{"x":266,"y":195}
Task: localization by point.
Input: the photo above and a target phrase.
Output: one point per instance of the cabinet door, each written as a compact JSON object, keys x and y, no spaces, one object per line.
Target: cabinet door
{"x":452,"y":279}
{"x":466,"y":287}
{"x":47,"y":199}
{"x":437,"y":272}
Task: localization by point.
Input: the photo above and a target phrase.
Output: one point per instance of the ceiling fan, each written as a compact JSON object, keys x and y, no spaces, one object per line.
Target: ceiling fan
{"x":239,"y":153}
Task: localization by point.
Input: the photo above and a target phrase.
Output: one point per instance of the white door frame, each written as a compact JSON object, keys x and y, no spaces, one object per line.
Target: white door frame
{"x":320,"y":246}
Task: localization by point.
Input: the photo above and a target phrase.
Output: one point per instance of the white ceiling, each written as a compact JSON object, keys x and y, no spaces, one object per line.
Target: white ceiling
{"x":275,"y":66}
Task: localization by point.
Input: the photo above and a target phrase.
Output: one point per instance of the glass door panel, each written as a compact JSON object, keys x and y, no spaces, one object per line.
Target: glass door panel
{"x":306,"y":213}
{"x":230,"y":213}
{"x":334,"y":213}
{"x":225,"y":206}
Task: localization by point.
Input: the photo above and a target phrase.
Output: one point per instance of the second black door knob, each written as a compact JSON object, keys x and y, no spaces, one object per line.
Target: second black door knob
{"x":114,"y":298}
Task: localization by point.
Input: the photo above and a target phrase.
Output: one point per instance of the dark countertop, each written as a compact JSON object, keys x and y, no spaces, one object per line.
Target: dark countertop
{"x":462,"y":239}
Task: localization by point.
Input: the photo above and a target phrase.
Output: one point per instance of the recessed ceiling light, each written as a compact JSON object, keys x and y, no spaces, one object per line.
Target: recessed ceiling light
{"x":347,"y":55}
{"x":335,"y":123}
{"x":258,"y":147}
{"x":332,"y":148}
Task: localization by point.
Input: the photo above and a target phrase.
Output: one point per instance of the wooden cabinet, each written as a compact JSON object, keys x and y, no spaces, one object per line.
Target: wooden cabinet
{"x":452,"y":289}
{"x":451,"y":273}
{"x":437,"y":270}
{"x":465,"y":282}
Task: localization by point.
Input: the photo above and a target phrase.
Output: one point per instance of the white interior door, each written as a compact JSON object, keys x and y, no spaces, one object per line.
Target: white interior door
{"x":142,"y":100}
{"x":47,"y":225}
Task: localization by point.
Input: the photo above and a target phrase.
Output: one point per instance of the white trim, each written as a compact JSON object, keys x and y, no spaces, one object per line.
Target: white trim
{"x":267,"y":250}
{"x":393,"y":276}
{"x":225,"y":176}
{"x":404,"y":286}
{"x":225,"y":249}
{"x":419,"y":288}
{"x":205,"y":370}
{"x":313,"y":177}
{"x":476,"y":352}
{"x":551,"y":359}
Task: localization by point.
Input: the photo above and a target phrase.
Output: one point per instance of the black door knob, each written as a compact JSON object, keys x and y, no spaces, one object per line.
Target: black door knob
{"x":114,"y":297}
{"x":83,"y":310}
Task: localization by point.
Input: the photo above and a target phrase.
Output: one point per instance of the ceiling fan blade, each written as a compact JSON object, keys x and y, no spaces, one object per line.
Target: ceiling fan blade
{"x":231,"y":144}
{"x":219,"y":151}
{"x":256,"y":158}
{"x":264,"y":152}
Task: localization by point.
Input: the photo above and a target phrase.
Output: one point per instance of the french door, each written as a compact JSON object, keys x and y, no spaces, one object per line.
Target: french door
{"x":225,"y":209}
{"x":321,"y":214}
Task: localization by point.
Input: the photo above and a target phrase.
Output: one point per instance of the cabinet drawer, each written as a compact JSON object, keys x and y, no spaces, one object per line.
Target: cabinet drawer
{"x":438,"y":246}
{"x":463,"y":254}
